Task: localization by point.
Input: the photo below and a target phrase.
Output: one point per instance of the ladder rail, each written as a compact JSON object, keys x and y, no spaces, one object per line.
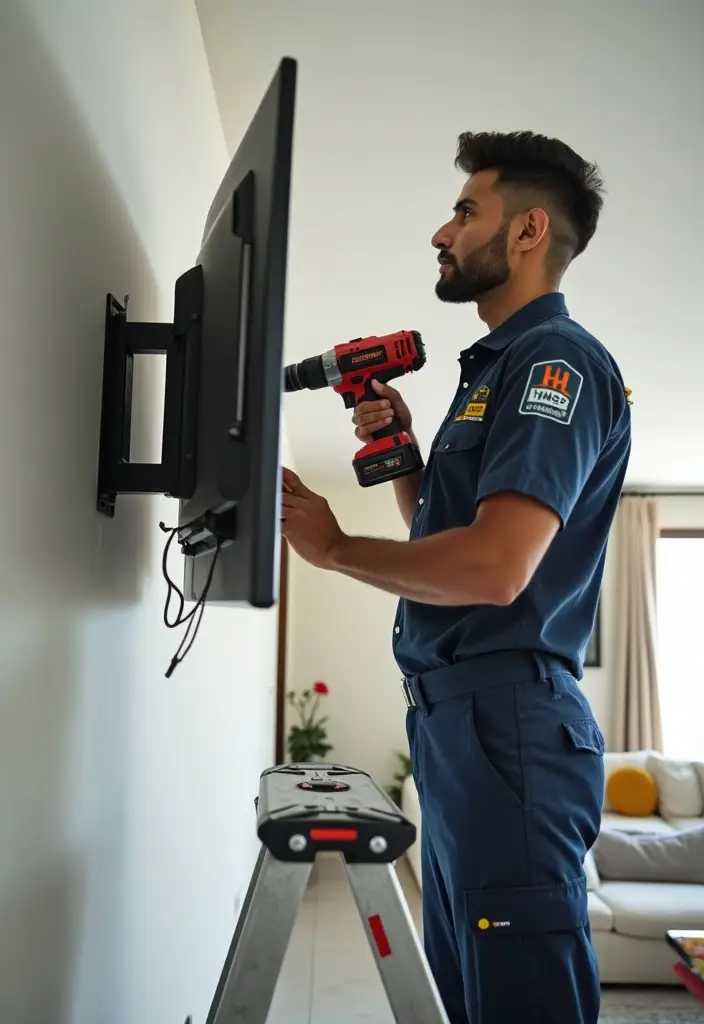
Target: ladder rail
{"x":248,"y":980}
{"x":395,"y":944}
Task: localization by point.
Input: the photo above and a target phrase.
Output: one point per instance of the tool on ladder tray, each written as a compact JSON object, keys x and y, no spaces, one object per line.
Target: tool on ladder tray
{"x":304,"y":810}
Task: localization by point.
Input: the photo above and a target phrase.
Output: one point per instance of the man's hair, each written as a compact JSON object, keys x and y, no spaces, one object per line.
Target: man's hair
{"x":540,"y":172}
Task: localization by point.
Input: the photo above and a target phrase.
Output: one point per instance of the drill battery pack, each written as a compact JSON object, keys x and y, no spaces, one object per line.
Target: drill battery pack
{"x":387,"y":459}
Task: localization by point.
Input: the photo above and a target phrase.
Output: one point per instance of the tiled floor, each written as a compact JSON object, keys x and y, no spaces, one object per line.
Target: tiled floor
{"x":329,"y":975}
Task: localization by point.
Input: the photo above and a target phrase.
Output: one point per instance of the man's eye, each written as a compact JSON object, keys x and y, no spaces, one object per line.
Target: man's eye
{"x":466,"y":212}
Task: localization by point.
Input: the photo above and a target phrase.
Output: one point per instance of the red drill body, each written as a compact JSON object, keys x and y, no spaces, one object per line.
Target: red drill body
{"x":349,"y":370}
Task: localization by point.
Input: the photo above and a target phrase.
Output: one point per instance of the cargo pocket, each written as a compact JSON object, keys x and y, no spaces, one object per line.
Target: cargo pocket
{"x":493,"y":914}
{"x":583,"y":764}
{"x":529,"y":950}
{"x":583,"y":734}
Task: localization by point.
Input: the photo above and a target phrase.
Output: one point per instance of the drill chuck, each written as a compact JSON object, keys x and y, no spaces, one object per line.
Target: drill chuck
{"x":313,"y":373}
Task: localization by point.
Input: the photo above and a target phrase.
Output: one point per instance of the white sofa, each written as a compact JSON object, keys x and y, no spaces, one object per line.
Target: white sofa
{"x":629,"y":919}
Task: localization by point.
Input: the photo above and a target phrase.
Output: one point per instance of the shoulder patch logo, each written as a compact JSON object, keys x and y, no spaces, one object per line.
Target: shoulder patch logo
{"x":552,"y":391}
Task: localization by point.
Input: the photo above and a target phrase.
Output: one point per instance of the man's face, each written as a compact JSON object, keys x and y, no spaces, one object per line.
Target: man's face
{"x":473,"y":245}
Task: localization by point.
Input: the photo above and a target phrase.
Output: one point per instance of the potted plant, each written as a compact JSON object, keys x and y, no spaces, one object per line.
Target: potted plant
{"x":307,"y":739}
{"x":404,"y":769}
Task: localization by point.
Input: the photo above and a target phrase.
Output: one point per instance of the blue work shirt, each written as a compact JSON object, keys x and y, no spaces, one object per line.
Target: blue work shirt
{"x":541,"y":409}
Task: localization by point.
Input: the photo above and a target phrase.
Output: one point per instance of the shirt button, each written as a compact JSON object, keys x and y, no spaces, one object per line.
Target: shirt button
{"x":421,"y":501}
{"x":397,"y":629}
{"x":471,"y":357}
{"x":446,"y":447}
{"x":465,"y":385}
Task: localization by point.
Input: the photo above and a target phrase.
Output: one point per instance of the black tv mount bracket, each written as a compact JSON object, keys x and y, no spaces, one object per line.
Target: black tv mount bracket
{"x":180,"y":342}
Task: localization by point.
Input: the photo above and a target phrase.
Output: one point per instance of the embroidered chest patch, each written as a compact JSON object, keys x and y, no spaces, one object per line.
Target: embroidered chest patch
{"x":475,"y":408}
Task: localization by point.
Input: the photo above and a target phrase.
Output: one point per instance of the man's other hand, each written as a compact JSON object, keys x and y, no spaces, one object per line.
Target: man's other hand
{"x":307,"y":523}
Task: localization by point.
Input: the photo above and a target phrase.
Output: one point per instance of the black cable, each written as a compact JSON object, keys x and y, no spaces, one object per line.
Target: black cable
{"x":196,"y":613}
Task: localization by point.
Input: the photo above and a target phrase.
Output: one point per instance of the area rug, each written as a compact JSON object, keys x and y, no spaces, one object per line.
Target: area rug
{"x":649,"y":1006}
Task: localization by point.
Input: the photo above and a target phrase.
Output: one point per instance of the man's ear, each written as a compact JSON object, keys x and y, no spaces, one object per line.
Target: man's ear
{"x":533,"y":228}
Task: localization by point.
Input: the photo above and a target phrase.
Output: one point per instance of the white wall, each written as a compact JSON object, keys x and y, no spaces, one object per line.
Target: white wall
{"x":384,"y":90}
{"x":341,"y":633}
{"x":681,"y":512}
{"x":126,"y":800}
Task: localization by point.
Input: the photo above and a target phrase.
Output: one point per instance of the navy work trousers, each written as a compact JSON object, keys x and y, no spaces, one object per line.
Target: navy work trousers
{"x":508,"y":763}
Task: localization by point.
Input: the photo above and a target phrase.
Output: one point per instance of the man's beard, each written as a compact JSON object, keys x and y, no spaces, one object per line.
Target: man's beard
{"x":485,"y":269}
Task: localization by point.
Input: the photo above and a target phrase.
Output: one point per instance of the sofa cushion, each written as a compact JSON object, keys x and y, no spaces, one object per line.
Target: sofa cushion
{"x":591,"y":871}
{"x":645,"y":910}
{"x":621,"y":856}
{"x":682,"y":824}
{"x":653,"y":824}
{"x":600,"y":917}
{"x":629,"y":758}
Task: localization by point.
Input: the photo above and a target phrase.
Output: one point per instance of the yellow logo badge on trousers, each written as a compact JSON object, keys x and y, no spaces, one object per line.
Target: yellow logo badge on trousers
{"x":476,"y":407}
{"x":484,"y":924}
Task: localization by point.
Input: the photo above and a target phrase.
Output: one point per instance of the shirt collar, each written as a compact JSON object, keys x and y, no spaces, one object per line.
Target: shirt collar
{"x":543,"y":308}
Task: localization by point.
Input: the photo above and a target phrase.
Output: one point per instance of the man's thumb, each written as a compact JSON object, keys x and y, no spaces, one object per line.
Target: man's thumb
{"x":381,"y":389}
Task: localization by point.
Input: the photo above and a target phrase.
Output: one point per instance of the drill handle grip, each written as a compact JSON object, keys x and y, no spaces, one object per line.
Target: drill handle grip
{"x":370,"y":395}
{"x":395,"y":427}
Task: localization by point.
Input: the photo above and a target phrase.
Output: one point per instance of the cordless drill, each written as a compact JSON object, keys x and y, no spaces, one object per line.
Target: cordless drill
{"x":349,"y":370}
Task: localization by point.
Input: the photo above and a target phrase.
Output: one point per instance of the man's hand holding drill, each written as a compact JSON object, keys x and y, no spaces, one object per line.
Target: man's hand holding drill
{"x":371,"y":416}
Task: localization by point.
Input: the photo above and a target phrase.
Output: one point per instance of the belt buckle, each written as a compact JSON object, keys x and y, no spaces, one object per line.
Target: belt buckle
{"x":408,"y":694}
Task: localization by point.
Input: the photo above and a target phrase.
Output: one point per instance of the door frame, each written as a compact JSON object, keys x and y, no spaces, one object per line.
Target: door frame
{"x":280,"y":738}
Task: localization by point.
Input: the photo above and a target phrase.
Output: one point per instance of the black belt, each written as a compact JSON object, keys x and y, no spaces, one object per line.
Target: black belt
{"x":485,"y":670}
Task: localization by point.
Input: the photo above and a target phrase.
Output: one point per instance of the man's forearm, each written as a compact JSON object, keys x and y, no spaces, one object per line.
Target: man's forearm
{"x":444,"y":569}
{"x":406,"y":489}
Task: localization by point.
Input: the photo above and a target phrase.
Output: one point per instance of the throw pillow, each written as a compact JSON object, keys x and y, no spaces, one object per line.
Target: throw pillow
{"x":613,"y":760}
{"x":621,"y":857}
{"x":678,"y":788}
{"x":632,"y":791}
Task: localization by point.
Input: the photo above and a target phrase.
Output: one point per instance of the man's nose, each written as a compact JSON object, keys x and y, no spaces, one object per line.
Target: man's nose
{"x":442,"y":239}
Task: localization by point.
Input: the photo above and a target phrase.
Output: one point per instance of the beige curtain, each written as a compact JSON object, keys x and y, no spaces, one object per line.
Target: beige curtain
{"x":637,"y":723}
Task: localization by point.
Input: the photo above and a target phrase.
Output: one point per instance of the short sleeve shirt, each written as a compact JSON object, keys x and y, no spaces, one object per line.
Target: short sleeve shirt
{"x":541,"y":409}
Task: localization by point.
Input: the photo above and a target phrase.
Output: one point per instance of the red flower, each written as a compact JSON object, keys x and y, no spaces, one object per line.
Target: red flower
{"x":321,"y":689}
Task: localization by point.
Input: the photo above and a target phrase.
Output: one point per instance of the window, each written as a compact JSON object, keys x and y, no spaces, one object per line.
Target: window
{"x":680,"y":612}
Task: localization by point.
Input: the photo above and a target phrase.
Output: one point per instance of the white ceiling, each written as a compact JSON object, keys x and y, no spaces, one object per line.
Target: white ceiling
{"x":385,"y":87}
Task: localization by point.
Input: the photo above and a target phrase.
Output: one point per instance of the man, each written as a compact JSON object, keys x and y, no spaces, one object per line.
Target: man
{"x":498,"y":588}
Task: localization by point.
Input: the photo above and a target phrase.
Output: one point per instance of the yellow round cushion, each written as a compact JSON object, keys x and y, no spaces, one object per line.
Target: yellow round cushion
{"x":632,"y":791}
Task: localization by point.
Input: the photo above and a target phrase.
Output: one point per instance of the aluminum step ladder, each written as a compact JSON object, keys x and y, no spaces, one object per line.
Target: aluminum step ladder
{"x":303,"y":810}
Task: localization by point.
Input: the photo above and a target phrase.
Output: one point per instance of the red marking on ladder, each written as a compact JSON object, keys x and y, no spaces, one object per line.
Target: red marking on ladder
{"x":343,"y":834}
{"x":379,"y":934}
